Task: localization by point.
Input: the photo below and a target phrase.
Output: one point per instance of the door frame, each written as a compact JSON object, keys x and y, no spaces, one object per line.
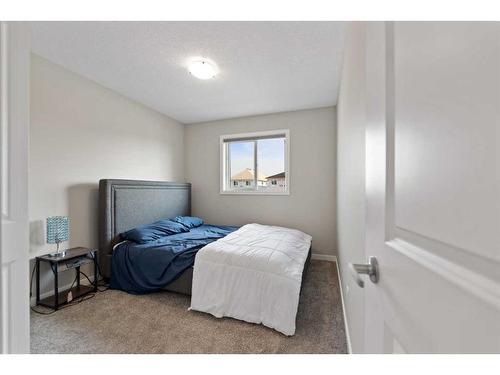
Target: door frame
{"x":14,"y":232}
{"x":379,"y":167}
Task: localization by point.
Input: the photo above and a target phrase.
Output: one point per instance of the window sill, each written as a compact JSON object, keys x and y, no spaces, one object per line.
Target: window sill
{"x":229,"y":192}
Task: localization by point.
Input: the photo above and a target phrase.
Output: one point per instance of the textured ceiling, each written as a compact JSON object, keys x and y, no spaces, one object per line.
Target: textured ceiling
{"x":264,"y":67}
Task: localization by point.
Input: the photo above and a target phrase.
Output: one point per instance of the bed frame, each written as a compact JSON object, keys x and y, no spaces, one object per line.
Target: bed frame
{"x":126,"y":204}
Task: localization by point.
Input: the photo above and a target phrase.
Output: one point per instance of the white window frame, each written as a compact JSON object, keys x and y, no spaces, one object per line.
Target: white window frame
{"x":224,"y":162}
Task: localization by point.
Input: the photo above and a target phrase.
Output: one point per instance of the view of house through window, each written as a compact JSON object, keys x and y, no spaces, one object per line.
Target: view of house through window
{"x":255,"y":163}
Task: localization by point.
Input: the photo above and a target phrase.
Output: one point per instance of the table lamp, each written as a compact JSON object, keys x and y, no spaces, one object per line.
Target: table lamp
{"x":57,"y":232}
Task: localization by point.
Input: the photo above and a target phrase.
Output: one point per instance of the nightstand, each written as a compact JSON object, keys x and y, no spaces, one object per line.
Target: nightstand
{"x":74,"y":259}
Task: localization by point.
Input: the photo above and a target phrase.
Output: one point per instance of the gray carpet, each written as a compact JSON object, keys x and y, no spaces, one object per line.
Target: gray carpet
{"x":117,"y":322}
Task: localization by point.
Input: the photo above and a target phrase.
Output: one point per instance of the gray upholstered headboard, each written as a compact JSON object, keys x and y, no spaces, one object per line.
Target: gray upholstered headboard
{"x":126,"y":204}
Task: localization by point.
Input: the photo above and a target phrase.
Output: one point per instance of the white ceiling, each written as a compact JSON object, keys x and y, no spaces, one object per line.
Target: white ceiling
{"x":264,"y":67}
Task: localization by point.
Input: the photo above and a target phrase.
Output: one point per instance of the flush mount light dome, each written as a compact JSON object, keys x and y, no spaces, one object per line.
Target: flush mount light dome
{"x":202,"y":69}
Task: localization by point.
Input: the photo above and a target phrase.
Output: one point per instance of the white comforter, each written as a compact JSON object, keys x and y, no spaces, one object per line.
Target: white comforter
{"x":253,"y":274}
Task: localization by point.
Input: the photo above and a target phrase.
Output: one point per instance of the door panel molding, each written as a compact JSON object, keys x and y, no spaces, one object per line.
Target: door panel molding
{"x":472,"y":271}
{"x":446,"y":85}
{"x":484,"y":288}
{"x":474,"y":261}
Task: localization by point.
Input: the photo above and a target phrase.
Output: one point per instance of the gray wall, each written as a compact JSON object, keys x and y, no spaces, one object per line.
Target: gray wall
{"x":81,"y":132}
{"x":310,"y":207}
{"x":351,"y":177}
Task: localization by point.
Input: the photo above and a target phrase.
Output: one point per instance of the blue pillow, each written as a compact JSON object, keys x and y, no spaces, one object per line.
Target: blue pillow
{"x":154,"y":231}
{"x":189,"y":221}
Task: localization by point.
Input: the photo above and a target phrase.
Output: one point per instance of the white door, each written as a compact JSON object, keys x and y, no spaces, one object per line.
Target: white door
{"x":432,"y":187}
{"x":14,"y":109}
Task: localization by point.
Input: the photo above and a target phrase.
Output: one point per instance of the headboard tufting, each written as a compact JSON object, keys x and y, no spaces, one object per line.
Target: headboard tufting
{"x":126,"y":204}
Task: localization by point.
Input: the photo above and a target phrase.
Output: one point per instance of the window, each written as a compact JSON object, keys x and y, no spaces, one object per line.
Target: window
{"x":255,"y":163}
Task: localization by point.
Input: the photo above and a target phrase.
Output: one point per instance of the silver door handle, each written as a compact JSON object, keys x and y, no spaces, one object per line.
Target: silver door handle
{"x":370,"y":269}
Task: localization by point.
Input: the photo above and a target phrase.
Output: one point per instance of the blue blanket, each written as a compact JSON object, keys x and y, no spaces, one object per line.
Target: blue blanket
{"x":141,"y":268}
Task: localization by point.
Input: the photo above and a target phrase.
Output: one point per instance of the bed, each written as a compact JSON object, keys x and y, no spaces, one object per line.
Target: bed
{"x":126,"y":204}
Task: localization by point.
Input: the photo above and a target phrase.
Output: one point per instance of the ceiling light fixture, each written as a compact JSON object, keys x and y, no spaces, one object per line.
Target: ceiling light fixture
{"x":202,"y":69}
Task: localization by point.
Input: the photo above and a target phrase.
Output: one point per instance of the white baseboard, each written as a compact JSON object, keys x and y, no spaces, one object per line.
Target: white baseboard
{"x":328,"y":258}
{"x":348,"y":336}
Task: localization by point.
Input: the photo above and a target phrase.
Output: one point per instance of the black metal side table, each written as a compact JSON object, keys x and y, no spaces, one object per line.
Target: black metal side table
{"x":74,"y":259}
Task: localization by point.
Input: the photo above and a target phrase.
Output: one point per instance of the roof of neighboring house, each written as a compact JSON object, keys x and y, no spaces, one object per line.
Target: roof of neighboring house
{"x":247,"y":174}
{"x":279,"y":175}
